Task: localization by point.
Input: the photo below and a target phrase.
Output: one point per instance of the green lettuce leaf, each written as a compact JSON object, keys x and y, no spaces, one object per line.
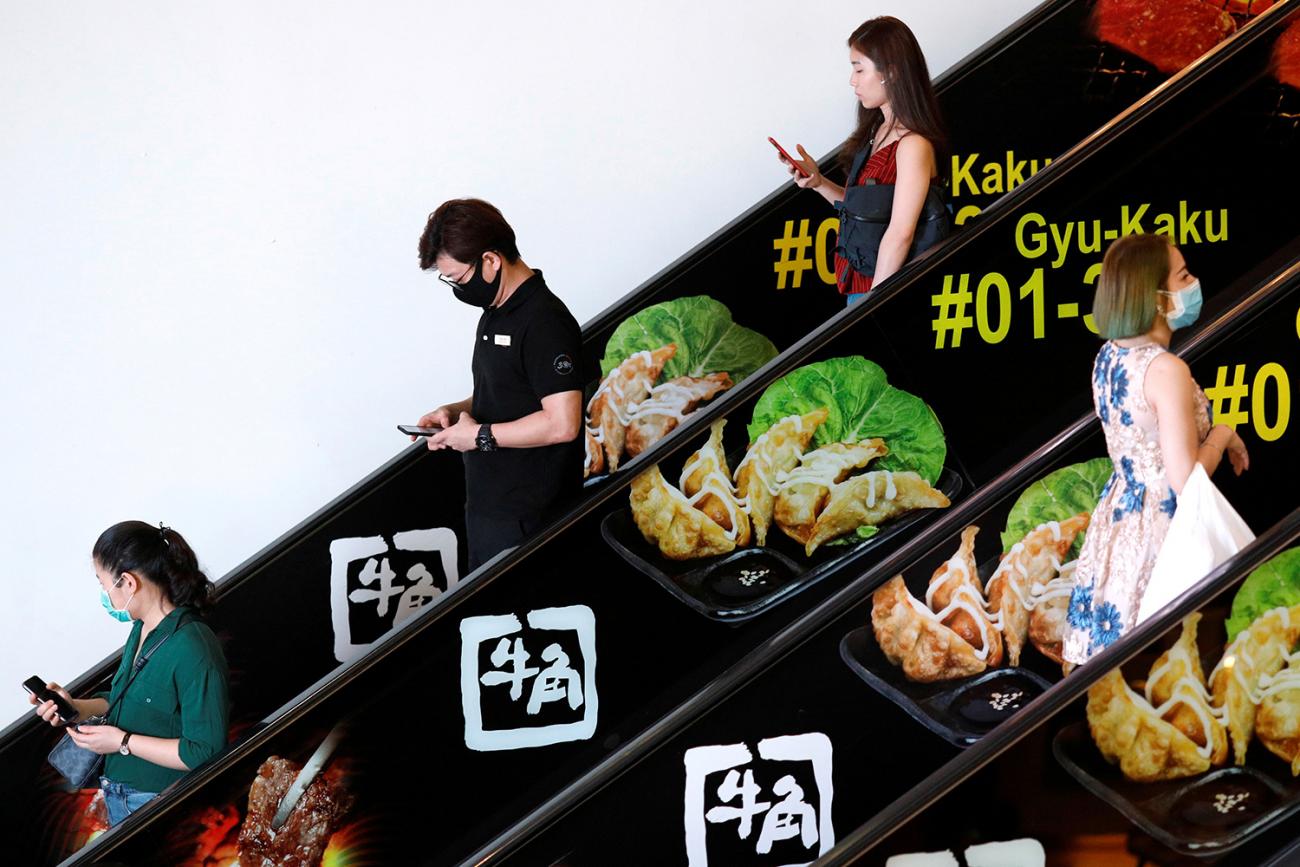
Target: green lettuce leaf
{"x":1057,"y":496}
{"x":708,"y":341}
{"x":862,"y":405}
{"x":1274,"y":584}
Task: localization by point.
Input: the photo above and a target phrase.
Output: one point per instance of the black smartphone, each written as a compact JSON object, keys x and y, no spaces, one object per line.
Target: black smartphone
{"x":412,"y":430}
{"x":37,"y":687}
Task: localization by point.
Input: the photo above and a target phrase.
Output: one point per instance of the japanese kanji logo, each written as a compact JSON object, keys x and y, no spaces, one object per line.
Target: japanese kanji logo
{"x":775,"y":809}
{"x":377,"y":583}
{"x":528,"y":685}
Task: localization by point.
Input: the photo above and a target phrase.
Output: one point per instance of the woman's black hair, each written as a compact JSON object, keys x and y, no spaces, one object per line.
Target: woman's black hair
{"x":158,"y":554}
{"x":897,"y":56}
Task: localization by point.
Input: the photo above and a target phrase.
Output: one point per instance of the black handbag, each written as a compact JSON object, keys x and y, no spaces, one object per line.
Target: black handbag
{"x":864,"y":216}
{"x":78,"y":765}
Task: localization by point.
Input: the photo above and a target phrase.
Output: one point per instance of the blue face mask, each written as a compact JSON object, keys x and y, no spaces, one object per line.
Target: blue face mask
{"x":1186,"y":306}
{"x":121,"y":615}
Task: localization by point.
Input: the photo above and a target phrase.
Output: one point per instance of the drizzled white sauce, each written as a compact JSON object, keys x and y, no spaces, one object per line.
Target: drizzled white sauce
{"x":821,"y":468}
{"x":890,"y":492}
{"x":621,"y":382}
{"x":669,"y":399}
{"x":715,"y":483}
{"x":762,"y":461}
{"x":1237,"y":656}
{"x":1285,"y":680}
{"x":963,"y":599}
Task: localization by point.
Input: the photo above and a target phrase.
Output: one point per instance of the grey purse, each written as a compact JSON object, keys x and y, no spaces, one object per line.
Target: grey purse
{"x":78,"y":765}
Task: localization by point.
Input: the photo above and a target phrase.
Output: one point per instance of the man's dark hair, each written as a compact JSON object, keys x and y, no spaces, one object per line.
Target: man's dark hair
{"x":465,"y":229}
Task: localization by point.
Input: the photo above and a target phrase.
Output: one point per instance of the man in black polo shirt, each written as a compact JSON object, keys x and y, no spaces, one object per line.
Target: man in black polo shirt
{"x":519,"y":431}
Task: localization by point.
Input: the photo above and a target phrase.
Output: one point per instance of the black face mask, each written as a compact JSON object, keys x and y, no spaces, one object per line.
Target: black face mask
{"x":476,"y":291}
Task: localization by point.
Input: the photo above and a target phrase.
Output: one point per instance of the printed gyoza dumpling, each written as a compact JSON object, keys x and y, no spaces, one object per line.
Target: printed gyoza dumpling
{"x":1129,"y":733}
{"x":1277,"y":722}
{"x":1260,"y":650}
{"x":667,"y":404}
{"x":776,"y":451}
{"x":667,"y":519}
{"x":912,"y":637}
{"x":1034,"y":560}
{"x":803,"y":491}
{"x":706,"y":482}
{"x":871,"y":499}
{"x":1050,"y":615}
{"x":594,"y":462}
{"x":609,"y":410}
{"x":956,"y":595}
{"x":1176,"y":689}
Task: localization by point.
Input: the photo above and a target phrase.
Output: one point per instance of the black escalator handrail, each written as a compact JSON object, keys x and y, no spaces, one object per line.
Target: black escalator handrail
{"x":785,"y":642}
{"x":1061,"y":695}
{"x":695,"y":424}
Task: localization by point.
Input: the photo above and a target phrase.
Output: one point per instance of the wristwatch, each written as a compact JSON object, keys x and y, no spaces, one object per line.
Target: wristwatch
{"x":124,"y":749}
{"x":485,"y":442}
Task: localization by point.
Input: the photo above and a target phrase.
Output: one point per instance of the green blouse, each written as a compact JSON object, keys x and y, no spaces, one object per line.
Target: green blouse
{"x":182,"y":692}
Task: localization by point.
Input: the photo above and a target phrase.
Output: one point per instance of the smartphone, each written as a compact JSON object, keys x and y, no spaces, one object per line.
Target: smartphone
{"x":37,"y":687}
{"x":412,"y":430}
{"x":791,"y":160}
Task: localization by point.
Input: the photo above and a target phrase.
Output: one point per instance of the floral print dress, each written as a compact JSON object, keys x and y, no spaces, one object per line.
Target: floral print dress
{"x":1131,"y":520}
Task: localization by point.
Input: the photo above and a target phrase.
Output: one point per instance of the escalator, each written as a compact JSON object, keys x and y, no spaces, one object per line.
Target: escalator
{"x":892,"y":750}
{"x":416,"y":672}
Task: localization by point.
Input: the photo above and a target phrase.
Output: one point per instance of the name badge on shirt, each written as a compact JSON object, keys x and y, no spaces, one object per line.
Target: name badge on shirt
{"x":501,"y":339}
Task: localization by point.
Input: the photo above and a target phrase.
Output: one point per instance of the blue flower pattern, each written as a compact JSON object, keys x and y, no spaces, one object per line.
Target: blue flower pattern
{"x":1080,"y":613}
{"x":1135,"y":492}
{"x":1126,"y":528}
{"x":1107,"y":624}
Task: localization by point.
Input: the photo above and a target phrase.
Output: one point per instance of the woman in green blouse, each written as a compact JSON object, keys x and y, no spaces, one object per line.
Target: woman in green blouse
{"x":174,"y":714}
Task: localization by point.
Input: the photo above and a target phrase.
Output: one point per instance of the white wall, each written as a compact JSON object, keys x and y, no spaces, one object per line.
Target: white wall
{"x":212,"y":313}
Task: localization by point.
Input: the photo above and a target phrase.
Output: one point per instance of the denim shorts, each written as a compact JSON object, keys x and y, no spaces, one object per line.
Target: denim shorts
{"x":121,"y":800}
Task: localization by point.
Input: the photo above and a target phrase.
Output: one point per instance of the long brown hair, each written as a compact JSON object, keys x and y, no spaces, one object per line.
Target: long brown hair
{"x":892,"y":47}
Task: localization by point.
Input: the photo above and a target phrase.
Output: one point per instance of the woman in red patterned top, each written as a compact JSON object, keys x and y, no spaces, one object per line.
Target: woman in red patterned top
{"x":891,"y":208}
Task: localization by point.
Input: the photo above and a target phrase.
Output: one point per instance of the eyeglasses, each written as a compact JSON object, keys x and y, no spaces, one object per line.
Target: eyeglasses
{"x":454,"y":284}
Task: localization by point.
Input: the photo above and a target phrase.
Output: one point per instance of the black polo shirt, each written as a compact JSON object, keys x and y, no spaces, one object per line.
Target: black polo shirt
{"x":524,"y":350}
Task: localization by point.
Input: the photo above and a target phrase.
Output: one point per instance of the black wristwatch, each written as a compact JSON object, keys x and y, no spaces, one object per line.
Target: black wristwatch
{"x":485,"y":442}
{"x":124,"y":749}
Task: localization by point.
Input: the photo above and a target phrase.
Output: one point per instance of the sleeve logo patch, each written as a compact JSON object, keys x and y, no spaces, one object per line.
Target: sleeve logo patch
{"x":563,"y":364}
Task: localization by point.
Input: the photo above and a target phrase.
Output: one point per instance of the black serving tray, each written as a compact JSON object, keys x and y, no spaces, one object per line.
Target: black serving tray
{"x":1182,"y":814}
{"x":734,"y":587}
{"x":959,"y":711}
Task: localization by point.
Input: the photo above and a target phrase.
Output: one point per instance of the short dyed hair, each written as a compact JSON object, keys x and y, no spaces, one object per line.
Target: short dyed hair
{"x":465,"y":229}
{"x":1133,"y":273}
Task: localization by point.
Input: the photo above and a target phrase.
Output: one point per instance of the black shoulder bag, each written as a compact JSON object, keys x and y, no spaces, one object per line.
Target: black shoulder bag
{"x":78,"y":765}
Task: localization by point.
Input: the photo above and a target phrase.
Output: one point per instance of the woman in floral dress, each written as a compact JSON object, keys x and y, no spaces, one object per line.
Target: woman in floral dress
{"x":1157,"y":425}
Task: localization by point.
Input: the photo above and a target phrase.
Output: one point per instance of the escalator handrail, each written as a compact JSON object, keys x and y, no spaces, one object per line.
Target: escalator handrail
{"x":1061,"y":694}
{"x":785,"y":642}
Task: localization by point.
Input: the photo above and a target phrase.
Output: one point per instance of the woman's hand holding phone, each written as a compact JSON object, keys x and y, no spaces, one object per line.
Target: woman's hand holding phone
{"x":804,"y":171}
{"x":48,"y":710}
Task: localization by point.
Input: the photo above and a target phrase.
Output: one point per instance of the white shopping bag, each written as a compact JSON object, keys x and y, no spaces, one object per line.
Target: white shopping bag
{"x":1204,"y":531}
